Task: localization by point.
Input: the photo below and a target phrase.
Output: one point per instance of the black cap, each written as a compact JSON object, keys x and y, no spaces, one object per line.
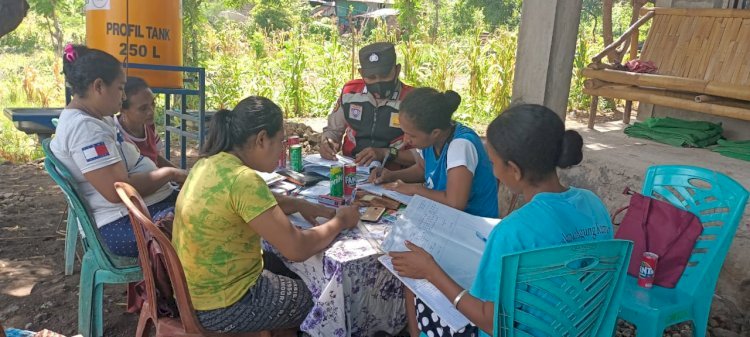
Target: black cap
{"x":377,"y":58}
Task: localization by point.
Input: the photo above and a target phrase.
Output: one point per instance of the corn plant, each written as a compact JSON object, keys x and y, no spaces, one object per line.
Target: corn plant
{"x":577,"y":99}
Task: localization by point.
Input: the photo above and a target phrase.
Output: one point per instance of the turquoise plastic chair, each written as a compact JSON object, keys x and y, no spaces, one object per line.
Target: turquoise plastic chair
{"x":719,"y":202}
{"x":568,"y":290}
{"x":98,"y":266}
{"x":71,"y":231}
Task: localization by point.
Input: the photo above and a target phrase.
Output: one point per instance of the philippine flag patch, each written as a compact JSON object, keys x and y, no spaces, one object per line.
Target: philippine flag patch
{"x":95,"y":151}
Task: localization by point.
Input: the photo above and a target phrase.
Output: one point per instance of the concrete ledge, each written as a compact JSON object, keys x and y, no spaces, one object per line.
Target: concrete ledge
{"x":613,"y":161}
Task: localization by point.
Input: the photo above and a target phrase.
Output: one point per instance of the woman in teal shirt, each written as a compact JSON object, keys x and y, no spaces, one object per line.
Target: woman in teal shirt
{"x":527,"y":145}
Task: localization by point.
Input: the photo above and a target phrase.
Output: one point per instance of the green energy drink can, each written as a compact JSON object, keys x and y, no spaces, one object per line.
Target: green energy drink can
{"x":295,"y":157}
{"x":337,"y":181}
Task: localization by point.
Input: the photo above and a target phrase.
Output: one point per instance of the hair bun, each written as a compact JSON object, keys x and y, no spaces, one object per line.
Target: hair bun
{"x":453,"y":99}
{"x":572,"y":150}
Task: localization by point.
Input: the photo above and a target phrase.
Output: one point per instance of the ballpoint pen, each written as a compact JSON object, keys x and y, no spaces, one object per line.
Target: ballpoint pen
{"x":382,"y":165}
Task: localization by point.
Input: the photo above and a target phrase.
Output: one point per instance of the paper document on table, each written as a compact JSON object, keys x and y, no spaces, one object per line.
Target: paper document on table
{"x":455,"y":239}
{"x":431,"y":296}
{"x":297,"y":220}
{"x":312,"y":192}
{"x":270,"y":177}
{"x":371,"y":237}
{"x":317,"y":164}
{"x":379,"y":190}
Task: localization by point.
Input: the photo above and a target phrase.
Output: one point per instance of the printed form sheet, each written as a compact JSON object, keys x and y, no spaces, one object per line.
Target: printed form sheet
{"x":456,"y":241}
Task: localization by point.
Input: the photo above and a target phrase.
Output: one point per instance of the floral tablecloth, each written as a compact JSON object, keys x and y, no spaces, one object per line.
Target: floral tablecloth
{"x":354,"y":294}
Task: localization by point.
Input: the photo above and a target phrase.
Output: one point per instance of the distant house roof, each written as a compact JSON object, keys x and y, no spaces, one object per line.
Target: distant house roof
{"x":387,"y":2}
{"x":380,"y":13}
{"x":332,"y":2}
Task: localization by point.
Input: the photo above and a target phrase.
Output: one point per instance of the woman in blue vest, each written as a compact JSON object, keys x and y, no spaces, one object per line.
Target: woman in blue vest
{"x":452,"y":166}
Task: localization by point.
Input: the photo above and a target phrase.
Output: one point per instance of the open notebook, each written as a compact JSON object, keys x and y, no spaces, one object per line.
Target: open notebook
{"x":456,"y":241}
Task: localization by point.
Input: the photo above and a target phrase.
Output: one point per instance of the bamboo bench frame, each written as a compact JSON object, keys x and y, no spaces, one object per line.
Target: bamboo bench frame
{"x":702,"y":58}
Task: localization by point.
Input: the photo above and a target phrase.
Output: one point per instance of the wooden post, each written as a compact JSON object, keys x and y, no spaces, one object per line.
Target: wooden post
{"x":598,"y":57}
{"x":592,"y":111}
{"x":637,"y":5}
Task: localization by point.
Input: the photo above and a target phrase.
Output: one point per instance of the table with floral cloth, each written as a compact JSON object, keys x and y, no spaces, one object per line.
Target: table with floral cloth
{"x":353,"y":294}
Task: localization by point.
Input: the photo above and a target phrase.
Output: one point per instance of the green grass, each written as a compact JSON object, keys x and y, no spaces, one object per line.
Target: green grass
{"x":16,"y":146}
{"x":26,"y":83}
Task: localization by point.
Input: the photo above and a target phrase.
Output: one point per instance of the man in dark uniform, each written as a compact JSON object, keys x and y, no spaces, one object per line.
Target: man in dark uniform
{"x":366,"y":113}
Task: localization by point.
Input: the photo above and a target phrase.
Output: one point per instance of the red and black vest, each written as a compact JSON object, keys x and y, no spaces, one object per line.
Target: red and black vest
{"x":369,"y":124}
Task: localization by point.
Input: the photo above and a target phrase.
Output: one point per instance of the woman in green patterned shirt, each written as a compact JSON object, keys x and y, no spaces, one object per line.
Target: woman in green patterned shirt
{"x":223,"y":212}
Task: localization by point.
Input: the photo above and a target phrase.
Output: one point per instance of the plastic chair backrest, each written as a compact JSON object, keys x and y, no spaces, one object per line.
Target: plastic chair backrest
{"x":141,"y":220}
{"x":717,"y":200}
{"x":92,"y":239}
{"x":568,"y":290}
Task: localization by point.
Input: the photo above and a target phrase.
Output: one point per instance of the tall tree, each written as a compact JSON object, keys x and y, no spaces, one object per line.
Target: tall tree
{"x":408,"y":16}
{"x":51,"y":11}
{"x":12,"y":13}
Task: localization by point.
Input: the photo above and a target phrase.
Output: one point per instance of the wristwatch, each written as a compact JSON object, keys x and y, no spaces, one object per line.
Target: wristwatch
{"x":394,"y":152}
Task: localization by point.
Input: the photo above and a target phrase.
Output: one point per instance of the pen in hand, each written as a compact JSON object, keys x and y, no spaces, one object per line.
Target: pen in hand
{"x":382,"y":165}
{"x":331,"y":146}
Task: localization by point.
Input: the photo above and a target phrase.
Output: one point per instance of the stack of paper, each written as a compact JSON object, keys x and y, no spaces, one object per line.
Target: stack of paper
{"x":316,"y":164}
{"x":456,"y":241}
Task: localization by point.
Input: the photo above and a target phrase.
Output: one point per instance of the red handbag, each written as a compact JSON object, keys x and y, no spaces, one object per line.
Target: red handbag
{"x":659,"y":227}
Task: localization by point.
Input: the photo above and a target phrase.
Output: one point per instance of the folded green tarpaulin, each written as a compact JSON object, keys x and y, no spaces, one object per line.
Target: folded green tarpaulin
{"x":736,"y":149}
{"x":676,"y":132}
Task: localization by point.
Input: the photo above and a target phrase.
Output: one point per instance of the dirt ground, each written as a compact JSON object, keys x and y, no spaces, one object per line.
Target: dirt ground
{"x":35,"y":294}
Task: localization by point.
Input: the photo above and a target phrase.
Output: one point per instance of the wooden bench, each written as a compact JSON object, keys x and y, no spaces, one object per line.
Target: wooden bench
{"x":702,"y":58}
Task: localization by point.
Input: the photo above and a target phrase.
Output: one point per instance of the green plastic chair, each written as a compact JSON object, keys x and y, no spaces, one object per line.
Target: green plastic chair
{"x":719,"y":202}
{"x":71,"y":230}
{"x":98,"y":265}
{"x":568,"y":290}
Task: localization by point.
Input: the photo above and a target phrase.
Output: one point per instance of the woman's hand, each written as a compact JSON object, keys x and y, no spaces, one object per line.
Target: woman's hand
{"x":402,"y":187}
{"x":416,"y":263}
{"x":348,"y":215}
{"x":312,"y":211}
{"x":381,"y":176}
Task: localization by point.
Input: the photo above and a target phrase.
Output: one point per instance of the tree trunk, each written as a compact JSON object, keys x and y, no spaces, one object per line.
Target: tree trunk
{"x":12,"y":13}
{"x":435,"y":24}
{"x":57,"y":33}
{"x":607,"y":28}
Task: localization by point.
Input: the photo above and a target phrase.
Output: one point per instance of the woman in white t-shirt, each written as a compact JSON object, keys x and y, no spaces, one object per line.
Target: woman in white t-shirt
{"x":88,"y":143}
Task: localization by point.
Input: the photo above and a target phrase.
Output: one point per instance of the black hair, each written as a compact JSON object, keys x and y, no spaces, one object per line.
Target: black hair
{"x":133,"y":86}
{"x":430,"y":109}
{"x":86,"y":66}
{"x":534,"y":137}
{"x":232,"y":128}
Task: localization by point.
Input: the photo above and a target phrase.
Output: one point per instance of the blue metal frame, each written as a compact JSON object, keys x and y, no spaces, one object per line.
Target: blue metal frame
{"x":181,"y":114}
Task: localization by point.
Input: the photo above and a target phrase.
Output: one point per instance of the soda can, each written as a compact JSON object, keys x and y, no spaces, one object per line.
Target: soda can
{"x":350,"y":179}
{"x":337,"y":181}
{"x":647,"y":270}
{"x":282,"y":158}
{"x":295,"y":157}
{"x":292,"y":140}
